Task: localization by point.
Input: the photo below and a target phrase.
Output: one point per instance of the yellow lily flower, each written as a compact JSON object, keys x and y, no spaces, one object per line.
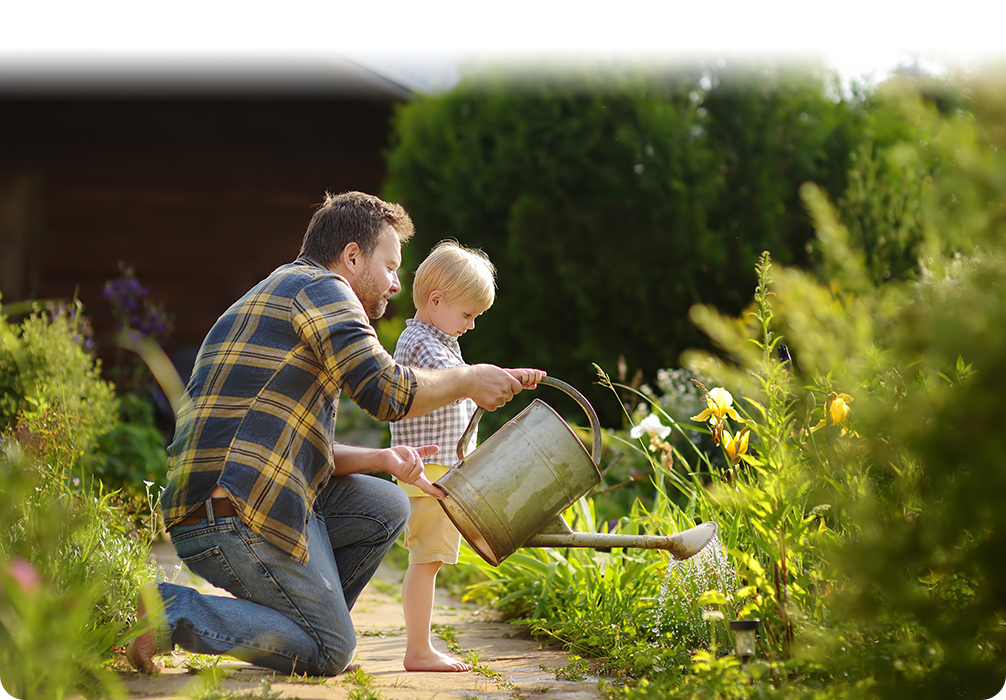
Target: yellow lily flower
{"x":720,"y":403}
{"x":736,"y":445}
{"x":836,"y":412}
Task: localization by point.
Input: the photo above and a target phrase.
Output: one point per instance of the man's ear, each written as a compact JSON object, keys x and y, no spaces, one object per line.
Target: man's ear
{"x":351,"y":256}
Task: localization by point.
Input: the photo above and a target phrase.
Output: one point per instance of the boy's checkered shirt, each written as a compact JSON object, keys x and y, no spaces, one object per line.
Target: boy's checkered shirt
{"x":426,"y":346}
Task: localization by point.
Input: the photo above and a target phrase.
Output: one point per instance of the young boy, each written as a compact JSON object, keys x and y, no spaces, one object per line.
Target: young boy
{"x":452,"y":287}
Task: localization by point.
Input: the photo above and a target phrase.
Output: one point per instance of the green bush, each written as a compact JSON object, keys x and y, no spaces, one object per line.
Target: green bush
{"x":132,"y":452}
{"x":913,"y":481}
{"x":48,"y":375}
{"x":46,"y":371}
{"x":612,"y":199}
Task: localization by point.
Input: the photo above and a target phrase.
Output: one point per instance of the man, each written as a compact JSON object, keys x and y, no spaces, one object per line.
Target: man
{"x":260,"y":500}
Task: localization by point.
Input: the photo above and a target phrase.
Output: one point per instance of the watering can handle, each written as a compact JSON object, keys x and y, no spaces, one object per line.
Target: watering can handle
{"x":595,"y":424}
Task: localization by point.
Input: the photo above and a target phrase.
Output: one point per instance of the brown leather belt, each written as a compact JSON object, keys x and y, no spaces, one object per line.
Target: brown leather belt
{"x":222,"y":508}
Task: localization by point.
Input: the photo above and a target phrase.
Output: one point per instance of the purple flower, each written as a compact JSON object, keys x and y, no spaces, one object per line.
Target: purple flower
{"x":154,"y":322}
{"x":132,"y":309}
{"x":124,"y":293}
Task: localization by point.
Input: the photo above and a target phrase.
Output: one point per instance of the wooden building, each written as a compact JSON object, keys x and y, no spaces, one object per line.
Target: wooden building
{"x":202,"y":178}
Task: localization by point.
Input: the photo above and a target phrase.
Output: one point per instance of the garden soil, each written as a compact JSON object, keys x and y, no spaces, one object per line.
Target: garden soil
{"x":512,"y":664}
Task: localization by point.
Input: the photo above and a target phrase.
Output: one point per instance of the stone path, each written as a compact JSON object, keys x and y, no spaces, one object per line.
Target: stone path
{"x":510,"y":664}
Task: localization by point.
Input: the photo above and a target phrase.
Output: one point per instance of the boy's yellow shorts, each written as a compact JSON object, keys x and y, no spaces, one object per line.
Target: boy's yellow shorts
{"x":430,"y":535}
{"x":433,"y":472}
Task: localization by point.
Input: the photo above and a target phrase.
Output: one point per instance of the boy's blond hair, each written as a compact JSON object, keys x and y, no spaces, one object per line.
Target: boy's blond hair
{"x":463,"y":275}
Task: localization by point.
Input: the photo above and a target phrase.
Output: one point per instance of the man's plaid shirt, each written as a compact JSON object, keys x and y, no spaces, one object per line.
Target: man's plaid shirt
{"x":260,"y":414}
{"x":426,"y":346}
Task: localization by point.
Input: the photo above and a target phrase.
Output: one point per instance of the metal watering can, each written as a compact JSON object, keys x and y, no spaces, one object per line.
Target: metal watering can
{"x":510,"y":492}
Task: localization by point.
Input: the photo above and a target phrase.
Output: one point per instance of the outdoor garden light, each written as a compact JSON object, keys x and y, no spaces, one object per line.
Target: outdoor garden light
{"x":744,"y":637}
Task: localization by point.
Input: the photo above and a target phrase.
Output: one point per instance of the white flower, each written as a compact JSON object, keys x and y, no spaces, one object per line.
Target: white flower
{"x":651,"y":425}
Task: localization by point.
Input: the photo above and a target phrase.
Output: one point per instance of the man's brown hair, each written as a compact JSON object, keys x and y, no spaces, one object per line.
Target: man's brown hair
{"x":352,"y":217}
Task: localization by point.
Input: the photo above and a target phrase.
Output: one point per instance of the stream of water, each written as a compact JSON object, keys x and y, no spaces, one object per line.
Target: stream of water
{"x":678,"y":613}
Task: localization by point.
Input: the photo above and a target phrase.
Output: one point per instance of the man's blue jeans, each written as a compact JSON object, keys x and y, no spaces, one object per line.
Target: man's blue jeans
{"x":287,"y":616}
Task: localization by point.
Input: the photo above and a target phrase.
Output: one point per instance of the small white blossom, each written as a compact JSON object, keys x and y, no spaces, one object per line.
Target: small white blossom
{"x":651,"y":425}
{"x":712,"y":615}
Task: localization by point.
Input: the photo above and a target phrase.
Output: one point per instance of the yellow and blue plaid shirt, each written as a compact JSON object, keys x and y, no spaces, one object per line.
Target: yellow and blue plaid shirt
{"x":260,"y":409}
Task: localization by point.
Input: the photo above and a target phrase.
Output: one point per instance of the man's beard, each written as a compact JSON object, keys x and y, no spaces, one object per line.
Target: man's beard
{"x":371,"y":296}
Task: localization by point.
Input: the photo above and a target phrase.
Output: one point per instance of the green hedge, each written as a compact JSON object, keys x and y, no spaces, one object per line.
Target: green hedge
{"x":613,"y":198}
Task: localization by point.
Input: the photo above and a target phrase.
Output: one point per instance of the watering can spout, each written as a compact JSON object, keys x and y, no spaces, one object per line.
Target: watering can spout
{"x":681,"y":546}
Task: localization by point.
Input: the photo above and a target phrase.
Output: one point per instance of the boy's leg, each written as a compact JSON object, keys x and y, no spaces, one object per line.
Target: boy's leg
{"x":430,"y":542}
{"x":418,"y":590}
{"x":284,"y":615}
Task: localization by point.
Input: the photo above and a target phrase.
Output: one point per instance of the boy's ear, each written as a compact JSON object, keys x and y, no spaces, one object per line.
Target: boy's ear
{"x":436,"y":296}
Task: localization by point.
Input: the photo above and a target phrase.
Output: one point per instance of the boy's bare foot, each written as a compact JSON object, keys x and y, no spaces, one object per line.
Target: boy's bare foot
{"x":433,"y":660}
{"x":140,"y":651}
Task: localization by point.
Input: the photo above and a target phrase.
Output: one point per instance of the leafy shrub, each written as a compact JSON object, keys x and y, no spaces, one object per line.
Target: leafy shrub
{"x":133,"y":451}
{"x":45,"y":365}
{"x":49,"y":375}
{"x":828,"y":516}
{"x":908,"y":472}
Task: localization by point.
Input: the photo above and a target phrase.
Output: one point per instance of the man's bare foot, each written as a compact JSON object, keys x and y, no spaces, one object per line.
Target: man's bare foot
{"x":432,"y":660}
{"x":140,"y":651}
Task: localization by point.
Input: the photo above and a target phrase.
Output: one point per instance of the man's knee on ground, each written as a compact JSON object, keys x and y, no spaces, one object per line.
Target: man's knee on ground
{"x":339,"y":659}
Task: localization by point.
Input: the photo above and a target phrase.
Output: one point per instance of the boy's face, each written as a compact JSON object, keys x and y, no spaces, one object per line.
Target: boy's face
{"x":453,"y":319}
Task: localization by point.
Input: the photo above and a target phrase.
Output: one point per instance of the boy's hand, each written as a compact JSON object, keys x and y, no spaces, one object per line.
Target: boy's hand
{"x":406,"y":464}
{"x":492,"y":387}
{"x":528,"y":378}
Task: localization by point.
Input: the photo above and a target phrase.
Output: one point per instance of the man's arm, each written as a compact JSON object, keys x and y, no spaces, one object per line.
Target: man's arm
{"x":488,"y":385}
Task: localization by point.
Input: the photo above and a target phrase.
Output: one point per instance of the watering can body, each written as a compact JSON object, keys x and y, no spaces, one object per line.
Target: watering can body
{"x":510,"y":492}
{"x":522,"y":477}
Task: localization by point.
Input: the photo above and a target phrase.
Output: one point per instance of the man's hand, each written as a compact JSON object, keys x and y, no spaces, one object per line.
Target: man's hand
{"x":493,"y":386}
{"x":406,"y":464}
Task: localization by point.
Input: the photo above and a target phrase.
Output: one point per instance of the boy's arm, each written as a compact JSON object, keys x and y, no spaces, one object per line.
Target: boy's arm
{"x":488,"y":385}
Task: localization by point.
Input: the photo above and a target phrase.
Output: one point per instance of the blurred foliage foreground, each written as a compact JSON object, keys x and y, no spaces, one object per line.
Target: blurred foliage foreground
{"x":848,"y":441}
{"x":77,"y":509}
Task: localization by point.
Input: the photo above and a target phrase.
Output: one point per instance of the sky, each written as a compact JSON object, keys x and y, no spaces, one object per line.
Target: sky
{"x":857,"y":37}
